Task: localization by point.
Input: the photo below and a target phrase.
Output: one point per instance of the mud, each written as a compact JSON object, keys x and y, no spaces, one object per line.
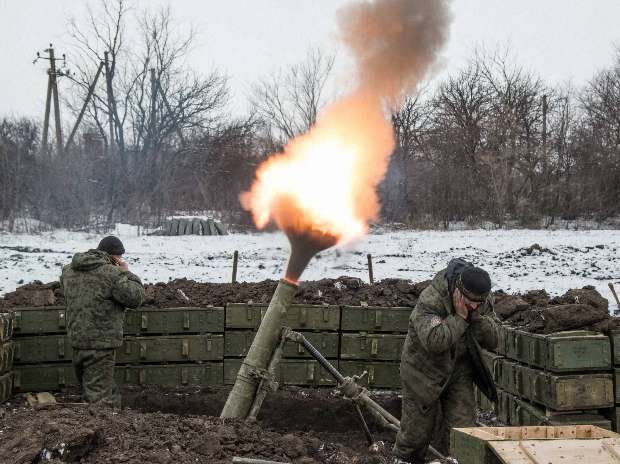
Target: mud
{"x":184,"y":292}
{"x":180,"y":425}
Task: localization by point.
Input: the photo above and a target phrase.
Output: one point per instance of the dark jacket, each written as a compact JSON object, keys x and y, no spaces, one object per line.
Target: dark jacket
{"x":97,"y":291}
{"x":436,"y":342}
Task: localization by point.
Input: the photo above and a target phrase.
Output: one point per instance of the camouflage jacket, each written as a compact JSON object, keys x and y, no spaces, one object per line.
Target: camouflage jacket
{"x":436,"y":340}
{"x":97,"y":291}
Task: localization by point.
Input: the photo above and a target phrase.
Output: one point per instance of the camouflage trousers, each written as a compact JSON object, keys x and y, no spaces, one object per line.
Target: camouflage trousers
{"x":455,"y":407}
{"x":94,"y":370}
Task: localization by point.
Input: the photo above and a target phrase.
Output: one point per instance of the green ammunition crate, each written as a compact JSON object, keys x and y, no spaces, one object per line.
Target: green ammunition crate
{"x":181,"y":348}
{"x":565,"y":392}
{"x":560,"y":352}
{"x":507,"y":376}
{"x":502,"y":331}
{"x":364,"y":346}
{"x":379,"y":374}
{"x":614,"y":337}
{"x":208,"y":373}
{"x":494,"y":363}
{"x":42,"y":349}
{"x":237,"y":343}
{"x":614,"y":415}
{"x":174,"y":321}
{"x":43,"y":377}
{"x":525,"y":413}
{"x":375,"y":319}
{"x":6,"y":327}
{"x":7,"y":353}
{"x":503,"y":406}
{"x":6,"y":386}
{"x":298,"y":316}
{"x":34,"y":321}
{"x":483,"y":403}
{"x":289,"y":372}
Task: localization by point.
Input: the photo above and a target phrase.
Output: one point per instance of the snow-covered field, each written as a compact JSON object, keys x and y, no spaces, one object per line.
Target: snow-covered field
{"x":573,"y":259}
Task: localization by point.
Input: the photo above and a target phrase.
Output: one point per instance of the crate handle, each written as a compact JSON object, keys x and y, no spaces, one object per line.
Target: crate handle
{"x":310,"y":372}
{"x":62,"y":321}
{"x":17,"y":320}
{"x":326,"y":314}
{"x":371,"y":375}
{"x":143,"y":349}
{"x":141,"y":376}
{"x":17,"y":379}
{"x":209,"y":343}
{"x":185,"y":347}
{"x":61,"y":377}
{"x":127,"y":347}
{"x":378,"y":321}
{"x":144,"y":321}
{"x":374,"y":347}
{"x":61,"y":347}
{"x":17,"y":351}
{"x":186,"y":320}
{"x":303,"y":316}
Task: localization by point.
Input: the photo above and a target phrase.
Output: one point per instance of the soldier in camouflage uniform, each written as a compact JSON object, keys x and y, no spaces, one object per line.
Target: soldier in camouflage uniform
{"x":441,"y":359}
{"x":98,"y":287}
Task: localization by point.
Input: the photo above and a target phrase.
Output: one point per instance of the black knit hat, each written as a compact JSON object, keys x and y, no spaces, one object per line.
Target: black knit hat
{"x":474,"y":283}
{"x":111,"y":245}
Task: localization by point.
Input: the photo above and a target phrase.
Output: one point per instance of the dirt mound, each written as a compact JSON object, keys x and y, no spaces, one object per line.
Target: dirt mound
{"x":185,"y":292}
{"x":577,"y":309}
{"x":94,"y":434}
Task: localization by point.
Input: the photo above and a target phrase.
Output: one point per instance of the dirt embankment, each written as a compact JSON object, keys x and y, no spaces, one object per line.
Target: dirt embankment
{"x":295,"y":425}
{"x":534,"y":311}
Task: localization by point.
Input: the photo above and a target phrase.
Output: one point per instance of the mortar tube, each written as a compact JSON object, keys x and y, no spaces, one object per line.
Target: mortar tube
{"x":241,"y":397}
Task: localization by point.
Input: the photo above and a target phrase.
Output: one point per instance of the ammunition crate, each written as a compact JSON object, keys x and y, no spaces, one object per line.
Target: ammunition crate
{"x":298,"y":316}
{"x":43,"y":349}
{"x":35,"y":321}
{"x":503,"y":406}
{"x":364,"y":346}
{"x":564,"y":392}
{"x":289,"y":372}
{"x":43,"y":377}
{"x":6,"y":327}
{"x":568,"y":443}
{"x":559,"y":352}
{"x":237,"y":343}
{"x":493,"y":363}
{"x":174,"y":321}
{"x":6,"y":386}
{"x":7,"y":351}
{"x":614,"y":338}
{"x":524,"y":413}
{"x":183,"y":348}
{"x":375,"y":319}
{"x":208,"y":373}
{"x":483,"y":403}
{"x":379,"y":374}
{"x":613,"y":414}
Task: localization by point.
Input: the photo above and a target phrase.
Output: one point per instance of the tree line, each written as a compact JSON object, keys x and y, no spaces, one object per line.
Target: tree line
{"x":491,"y":142}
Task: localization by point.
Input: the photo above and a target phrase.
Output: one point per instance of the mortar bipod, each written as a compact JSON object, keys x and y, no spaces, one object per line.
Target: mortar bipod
{"x":356,"y":393}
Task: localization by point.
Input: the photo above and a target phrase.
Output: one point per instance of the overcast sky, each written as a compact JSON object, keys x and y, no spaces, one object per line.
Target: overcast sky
{"x":560,"y":40}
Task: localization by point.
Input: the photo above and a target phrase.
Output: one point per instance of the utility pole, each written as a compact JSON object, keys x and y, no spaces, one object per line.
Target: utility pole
{"x":544,"y":122}
{"x":52,"y":95}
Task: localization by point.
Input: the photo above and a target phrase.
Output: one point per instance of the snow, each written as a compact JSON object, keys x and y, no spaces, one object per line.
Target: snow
{"x":574,"y":258}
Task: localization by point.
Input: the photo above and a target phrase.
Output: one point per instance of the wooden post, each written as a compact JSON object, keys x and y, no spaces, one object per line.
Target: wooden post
{"x":108,"y":86}
{"x":613,"y":292}
{"x":54,"y":84}
{"x":370,"y":274}
{"x":46,"y":119}
{"x":235,"y":260}
{"x":91,"y":90}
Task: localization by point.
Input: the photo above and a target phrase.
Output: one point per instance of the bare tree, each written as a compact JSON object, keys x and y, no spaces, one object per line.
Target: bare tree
{"x":289,"y":102}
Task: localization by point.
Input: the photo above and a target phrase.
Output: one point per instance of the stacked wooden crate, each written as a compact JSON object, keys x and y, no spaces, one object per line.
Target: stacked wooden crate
{"x":318,"y":323}
{"x":6,"y":356}
{"x":173,"y":346}
{"x":555,"y":379}
{"x":614,"y":415}
{"x":371,"y":341}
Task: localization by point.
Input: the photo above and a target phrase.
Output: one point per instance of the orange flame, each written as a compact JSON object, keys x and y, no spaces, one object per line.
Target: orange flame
{"x":325,"y":180}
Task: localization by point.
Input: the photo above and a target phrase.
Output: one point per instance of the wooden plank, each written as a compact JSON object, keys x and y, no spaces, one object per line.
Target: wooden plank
{"x":557,"y":451}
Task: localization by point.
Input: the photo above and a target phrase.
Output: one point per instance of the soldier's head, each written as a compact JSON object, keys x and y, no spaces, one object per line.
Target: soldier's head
{"x":111,"y":245}
{"x":474,"y":285}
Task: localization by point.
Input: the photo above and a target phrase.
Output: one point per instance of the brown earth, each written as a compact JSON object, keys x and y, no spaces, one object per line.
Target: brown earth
{"x":184,"y":292}
{"x":180,"y":425}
